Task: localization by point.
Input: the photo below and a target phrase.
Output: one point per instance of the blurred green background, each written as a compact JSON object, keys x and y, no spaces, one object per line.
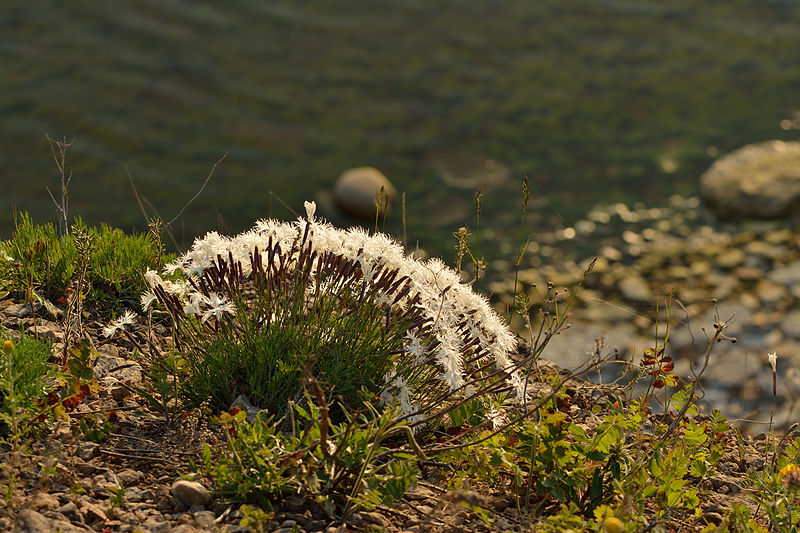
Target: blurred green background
{"x":596,"y":101}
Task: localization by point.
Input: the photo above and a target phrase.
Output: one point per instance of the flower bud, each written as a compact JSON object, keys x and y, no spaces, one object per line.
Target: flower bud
{"x":612,"y":524}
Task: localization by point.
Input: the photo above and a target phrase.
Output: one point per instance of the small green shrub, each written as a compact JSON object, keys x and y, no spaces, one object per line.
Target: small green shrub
{"x":251,"y":313}
{"x":25,"y":377}
{"x":340,"y":466}
{"x":41,"y":260}
{"x":37,"y":258}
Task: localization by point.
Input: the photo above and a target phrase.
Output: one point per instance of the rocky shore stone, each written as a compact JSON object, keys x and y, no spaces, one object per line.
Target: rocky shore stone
{"x":190,"y":493}
{"x":760,"y":181}
{"x":356,"y":190}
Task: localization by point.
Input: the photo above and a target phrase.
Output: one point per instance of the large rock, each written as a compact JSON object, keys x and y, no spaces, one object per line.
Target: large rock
{"x":758,"y":181}
{"x":356,"y":190}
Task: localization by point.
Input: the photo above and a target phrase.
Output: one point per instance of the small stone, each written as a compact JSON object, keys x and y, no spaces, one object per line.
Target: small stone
{"x":374,"y":519}
{"x":44,"y":501}
{"x":133,"y":494}
{"x":778,"y":236}
{"x":788,"y":275}
{"x":155,"y":525}
{"x":204,"y":519}
{"x":190,"y":493}
{"x":23,"y":310}
{"x":187,"y":528}
{"x":87,"y":450}
{"x":30,"y":521}
{"x":117,"y":367}
{"x":791,"y":324}
{"x":749,"y":273}
{"x":730,"y":258}
{"x":289,"y":523}
{"x":68,"y":508}
{"x":700,"y":268}
{"x":51,"y":333}
{"x":770,"y":293}
{"x":93,"y":513}
{"x":119,"y":392}
{"x":130,"y":477}
{"x":634,"y":288}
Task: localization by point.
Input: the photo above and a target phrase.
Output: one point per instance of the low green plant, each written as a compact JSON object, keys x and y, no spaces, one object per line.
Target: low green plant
{"x":38,"y":259}
{"x":25,"y":376}
{"x":341,"y":466}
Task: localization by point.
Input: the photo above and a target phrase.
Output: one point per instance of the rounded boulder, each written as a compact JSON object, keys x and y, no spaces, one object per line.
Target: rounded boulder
{"x":356,"y":190}
{"x":758,"y":181}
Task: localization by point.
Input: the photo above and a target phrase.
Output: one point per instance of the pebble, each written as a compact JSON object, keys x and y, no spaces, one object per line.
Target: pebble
{"x":190,"y":493}
{"x":87,"y":450}
{"x":634,"y":288}
{"x":44,"y":501}
{"x":30,"y":521}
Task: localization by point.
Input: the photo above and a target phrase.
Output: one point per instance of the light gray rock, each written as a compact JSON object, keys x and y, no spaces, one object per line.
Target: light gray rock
{"x":791,"y":324}
{"x":356,"y":190}
{"x":44,"y":501}
{"x":22,"y":310}
{"x":30,"y":521}
{"x":759,"y":181}
{"x":117,"y":367}
{"x":190,"y":493}
{"x":572,"y":346}
{"x":788,"y":275}
{"x":634,"y":288}
{"x":243,"y":402}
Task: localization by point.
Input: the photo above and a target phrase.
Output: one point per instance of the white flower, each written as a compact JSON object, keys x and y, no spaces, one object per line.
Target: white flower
{"x":415,"y":348}
{"x":311,"y":208}
{"x":109,"y":330}
{"x":498,"y":418}
{"x":218,"y":305}
{"x":773,"y":360}
{"x":192,"y":307}
{"x":127,"y":318}
{"x":171,"y":268}
{"x":148,"y":297}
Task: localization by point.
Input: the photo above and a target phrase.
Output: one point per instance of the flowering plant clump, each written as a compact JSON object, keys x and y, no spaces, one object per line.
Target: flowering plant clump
{"x":349,"y":304}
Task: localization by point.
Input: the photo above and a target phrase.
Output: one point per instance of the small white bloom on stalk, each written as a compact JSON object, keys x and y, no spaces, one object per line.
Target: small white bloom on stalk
{"x":218,"y":306}
{"x":311,"y":208}
{"x":127,"y":318}
{"x":773,"y":361}
{"x":148,"y":297}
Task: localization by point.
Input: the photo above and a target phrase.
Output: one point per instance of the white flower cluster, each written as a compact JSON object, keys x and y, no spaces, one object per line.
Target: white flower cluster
{"x":457,"y":316}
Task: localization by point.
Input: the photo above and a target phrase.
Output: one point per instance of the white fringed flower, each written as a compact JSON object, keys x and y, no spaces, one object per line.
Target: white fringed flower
{"x":217,"y":306}
{"x":127,"y":318}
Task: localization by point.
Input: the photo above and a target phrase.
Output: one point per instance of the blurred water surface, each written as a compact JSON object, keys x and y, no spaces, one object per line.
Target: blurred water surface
{"x":596,"y":101}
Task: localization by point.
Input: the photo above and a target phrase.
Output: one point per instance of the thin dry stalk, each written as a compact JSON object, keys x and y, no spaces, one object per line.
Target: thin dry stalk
{"x":59,"y":149}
